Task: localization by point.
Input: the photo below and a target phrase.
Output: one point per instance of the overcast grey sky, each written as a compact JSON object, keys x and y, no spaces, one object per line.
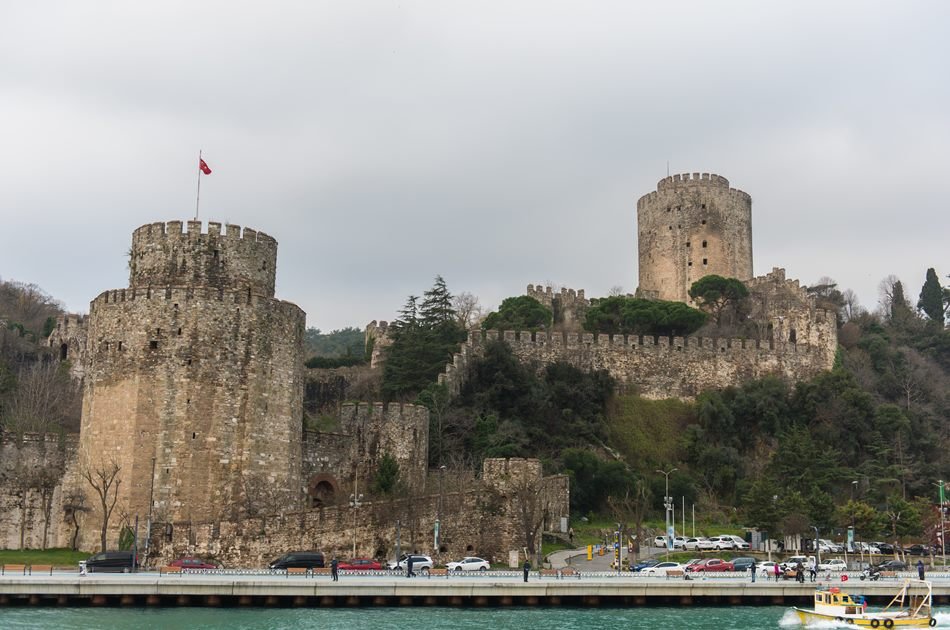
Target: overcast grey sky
{"x":495,"y":143}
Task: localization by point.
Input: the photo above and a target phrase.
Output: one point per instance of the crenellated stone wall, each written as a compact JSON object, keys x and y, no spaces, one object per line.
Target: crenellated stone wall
{"x":569,"y":307}
{"x":68,"y":341}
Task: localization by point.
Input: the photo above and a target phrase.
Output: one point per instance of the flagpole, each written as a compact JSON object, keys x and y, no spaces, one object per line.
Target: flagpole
{"x":198,"y":195}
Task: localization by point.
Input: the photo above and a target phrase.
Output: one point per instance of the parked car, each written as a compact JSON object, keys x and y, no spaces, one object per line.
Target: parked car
{"x":710,"y":565}
{"x":893,"y":565}
{"x":863,"y":547}
{"x":742,"y":564}
{"x":739,"y":543}
{"x":721,"y":543}
{"x":112,"y":562}
{"x":835,"y":564}
{"x":661,"y":568}
{"x":793,"y":561}
{"x":660,"y":542}
{"x":470,"y":563}
{"x":767,"y":569}
{"x":646,"y":564}
{"x":918,"y":550}
{"x":886,"y":548}
{"x":826,"y":546}
{"x":700,"y":543}
{"x":678,"y":542}
{"x":420,"y":564}
{"x":360,"y":564}
{"x":299,"y":560}
{"x":192,"y":563}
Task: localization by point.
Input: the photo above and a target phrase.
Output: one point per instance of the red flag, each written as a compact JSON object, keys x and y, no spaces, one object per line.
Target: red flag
{"x":204,"y":167}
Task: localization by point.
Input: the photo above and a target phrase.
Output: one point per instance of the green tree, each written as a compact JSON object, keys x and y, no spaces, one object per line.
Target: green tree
{"x":931,"y":298}
{"x":762,"y":508}
{"x":714,"y":294}
{"x":519,"y":313}
{"x":386,"y":479}
{"x":619,"y":315}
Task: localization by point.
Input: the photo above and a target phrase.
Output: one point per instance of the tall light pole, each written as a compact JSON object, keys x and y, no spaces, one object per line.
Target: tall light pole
{"x":943,"y":535}
{"x":356,"y":502}
{"x":668,"y":504}
{"x":438,"y":520}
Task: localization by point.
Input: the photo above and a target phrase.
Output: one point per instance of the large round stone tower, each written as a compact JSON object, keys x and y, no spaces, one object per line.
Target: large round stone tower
{"x":692,"y":226}
{"x":194,"y":378}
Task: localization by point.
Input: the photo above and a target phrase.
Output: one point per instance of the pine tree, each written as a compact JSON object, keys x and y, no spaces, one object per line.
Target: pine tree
{"x":931,"y":297}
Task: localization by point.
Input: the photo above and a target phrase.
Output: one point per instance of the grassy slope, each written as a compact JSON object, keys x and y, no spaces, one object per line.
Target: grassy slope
{"x":56,"y":557}
{"x":647,"y":432}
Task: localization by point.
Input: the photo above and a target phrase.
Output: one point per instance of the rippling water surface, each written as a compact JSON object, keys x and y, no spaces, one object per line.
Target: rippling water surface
{"x":695,"y":618}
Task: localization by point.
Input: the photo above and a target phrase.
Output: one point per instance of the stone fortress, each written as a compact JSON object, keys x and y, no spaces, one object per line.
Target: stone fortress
{"x":693,"y":225}
{"x":194,"y":387}
{"x":193,"y":391}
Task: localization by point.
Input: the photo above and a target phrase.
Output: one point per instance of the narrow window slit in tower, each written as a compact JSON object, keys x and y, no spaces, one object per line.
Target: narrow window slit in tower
{"x":179,"y":332}
{"x":704,"y":243}
{"x":153,"y":345}
{"x":704,"y":207}
{"x":703,"y":221}
{"x":194,"y":435}
{"x":705,"y":261}
{"x":687,"y":244}
{"x":120,"y":346}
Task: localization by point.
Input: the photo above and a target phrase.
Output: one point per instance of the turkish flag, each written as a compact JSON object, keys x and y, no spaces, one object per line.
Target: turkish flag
{"x":204,"y":167}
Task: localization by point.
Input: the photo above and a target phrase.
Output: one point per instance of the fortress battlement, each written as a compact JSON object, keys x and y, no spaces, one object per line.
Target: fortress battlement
{"x":172,"y":230}
{"x":642,"y":343}
{"x":691,"y":180}
{"x":542,"y":293}
{"x":163,"y":254}
{"x":391,"y":411}
{"x":181,"y":295}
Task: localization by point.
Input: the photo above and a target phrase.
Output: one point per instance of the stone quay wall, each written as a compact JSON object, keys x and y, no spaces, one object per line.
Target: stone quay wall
{"x":692,"y":226}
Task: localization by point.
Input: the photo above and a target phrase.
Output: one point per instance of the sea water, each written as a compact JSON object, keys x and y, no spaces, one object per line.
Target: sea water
{"x":648,"y":618}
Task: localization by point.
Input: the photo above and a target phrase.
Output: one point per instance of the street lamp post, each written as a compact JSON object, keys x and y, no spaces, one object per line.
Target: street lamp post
{"x":438,"y":520}
{"x":817,"y":549}
{"x":943,"y":535}
{"x":668,"y":504}
{"x":356,"y":502}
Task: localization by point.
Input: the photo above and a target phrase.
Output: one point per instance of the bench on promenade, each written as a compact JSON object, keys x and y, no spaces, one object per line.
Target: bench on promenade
{"x":320,"y":571}
{"x":169,"y":571}
{"x":439,"y":572}
{"x":548,"y":573}
{"x":888,"y":574}
{"x":13,"y":568}
{"x":674,"y":573}
{"x":46,"y":569}
{"x":570,"y":572}
{"x":304,"y":571}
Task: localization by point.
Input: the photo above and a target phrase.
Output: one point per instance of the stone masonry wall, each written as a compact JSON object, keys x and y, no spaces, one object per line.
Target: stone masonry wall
{"x":196,"y":391}
{"x":692,"y":226}
{"x":68,"y":341}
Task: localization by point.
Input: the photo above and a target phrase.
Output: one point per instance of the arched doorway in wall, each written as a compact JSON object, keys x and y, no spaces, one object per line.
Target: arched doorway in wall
{"x":322,"y":490}
{"x":63,"y":352}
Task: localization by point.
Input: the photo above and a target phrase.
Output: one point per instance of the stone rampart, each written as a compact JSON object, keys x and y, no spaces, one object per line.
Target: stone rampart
{"x":68,"y":342}
{"x":568,"y":306}
{"x":666,"y":367}
{"x":163,"y":254}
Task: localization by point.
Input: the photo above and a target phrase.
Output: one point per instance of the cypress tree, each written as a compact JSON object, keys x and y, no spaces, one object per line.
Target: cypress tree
{"x":931,"y":297}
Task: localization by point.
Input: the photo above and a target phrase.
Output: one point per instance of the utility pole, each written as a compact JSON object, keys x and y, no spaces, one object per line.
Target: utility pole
{"x":356,"y":502}
{"x":668,"y":504}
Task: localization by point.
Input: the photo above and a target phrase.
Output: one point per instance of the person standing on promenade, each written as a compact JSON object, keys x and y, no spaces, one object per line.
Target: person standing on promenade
{"x":800,"y":573}
{"x":334,"y":569}
{"x":812,"y":570}
{"x":409,"y":572}
{"x":527,"y":567}
{"x":570,"y":534}
{"x":752,"y":568}
{"x":920,"y":569}
{"x":778,"y":571}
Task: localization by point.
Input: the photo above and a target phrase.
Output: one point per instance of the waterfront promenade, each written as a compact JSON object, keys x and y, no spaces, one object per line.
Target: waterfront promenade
{"x":495,"y":588}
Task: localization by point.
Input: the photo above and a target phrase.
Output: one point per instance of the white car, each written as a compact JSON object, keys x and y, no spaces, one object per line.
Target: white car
{"x":723,"y":542}
{"x":739,"y":543}
{"x":420,"y":564}
{"x":662,"y":568}
{"x":766,"y":569}
{"x":469,"y":564}
{"x":700,"y":543}
{"x":835,"y":564}
{"x":678,"y":542}
{"x":660,"y":542}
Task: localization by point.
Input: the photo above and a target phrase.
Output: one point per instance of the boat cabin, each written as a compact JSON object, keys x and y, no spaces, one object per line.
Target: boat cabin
{"x":834,"y":602}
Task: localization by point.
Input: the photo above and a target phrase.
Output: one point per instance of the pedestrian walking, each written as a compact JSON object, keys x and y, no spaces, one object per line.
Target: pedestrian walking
{"x":752,"y":568}
{"x":570,"y":534}
{"x":409,"y":572}
{"x":920,"y":569}
{"x":527,"y":567}
{"x":334,"y":569}
{"x":812,"y":571}
{"x":777,"y":571}
{"x":800,"y":573}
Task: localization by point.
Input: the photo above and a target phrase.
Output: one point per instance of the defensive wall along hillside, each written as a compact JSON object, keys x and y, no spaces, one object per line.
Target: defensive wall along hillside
{"x":658,"y":367}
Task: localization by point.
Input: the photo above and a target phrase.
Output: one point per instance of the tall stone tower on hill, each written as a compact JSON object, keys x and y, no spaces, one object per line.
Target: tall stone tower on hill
{"x":194,"y":377}
{"x":692,"y":226}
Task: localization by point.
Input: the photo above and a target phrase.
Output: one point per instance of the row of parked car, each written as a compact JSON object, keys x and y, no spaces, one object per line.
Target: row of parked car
{"x":126,"y":561}
{"x":701,"y":543}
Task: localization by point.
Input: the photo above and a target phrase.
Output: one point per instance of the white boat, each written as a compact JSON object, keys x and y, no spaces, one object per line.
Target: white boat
{"x":911,"y":607}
